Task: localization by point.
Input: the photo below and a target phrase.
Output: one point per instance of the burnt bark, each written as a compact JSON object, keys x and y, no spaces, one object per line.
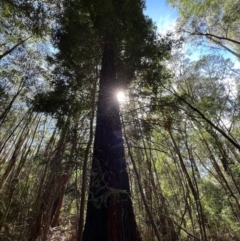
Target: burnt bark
{"x":109,"y":210}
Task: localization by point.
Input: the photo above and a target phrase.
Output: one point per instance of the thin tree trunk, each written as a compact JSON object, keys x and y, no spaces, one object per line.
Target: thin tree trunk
{"x":166,"y":227}
{"x":8,"y":136}
{"x":62,"y":181}
{"x":6,"y":111}
{"x":42,"y":222}
{"x":25,"y":155}
{"x":193,"y":189}
{"x":84,"y":171}
{"x":16,"y":152}
{"x":148,"y":211}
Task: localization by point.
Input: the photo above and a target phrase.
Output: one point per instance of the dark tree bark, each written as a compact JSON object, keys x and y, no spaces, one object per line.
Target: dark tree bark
{"x":110,"y":214}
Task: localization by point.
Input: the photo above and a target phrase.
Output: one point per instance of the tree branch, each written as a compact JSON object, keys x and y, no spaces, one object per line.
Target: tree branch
{"x":212,"y":35}
{"x":14,"y":47}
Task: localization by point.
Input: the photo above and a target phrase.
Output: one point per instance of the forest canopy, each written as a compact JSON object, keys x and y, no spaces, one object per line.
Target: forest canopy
{"x":78,"y":164}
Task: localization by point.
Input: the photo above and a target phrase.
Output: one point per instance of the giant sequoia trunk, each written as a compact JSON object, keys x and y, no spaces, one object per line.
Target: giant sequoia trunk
{"x":110,"y":214}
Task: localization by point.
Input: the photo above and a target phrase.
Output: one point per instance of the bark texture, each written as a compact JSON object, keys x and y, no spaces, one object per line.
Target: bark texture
{"x":110,"y":214}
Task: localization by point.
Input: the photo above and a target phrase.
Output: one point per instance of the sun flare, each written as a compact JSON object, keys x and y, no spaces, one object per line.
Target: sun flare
{"x":121,"y":96}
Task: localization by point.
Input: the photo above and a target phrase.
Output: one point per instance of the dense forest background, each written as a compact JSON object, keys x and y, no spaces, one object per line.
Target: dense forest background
{"x":180,"y":117}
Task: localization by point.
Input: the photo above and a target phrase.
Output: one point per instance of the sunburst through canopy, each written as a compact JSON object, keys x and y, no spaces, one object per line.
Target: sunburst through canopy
{"x":121,"y":96}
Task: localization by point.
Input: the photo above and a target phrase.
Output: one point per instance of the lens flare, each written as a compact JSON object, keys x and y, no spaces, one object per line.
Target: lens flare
{"x":121,"y":96}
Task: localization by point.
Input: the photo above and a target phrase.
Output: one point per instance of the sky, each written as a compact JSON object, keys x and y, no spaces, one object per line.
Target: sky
{"x":165,"y":18}
{"x":161,"y":13}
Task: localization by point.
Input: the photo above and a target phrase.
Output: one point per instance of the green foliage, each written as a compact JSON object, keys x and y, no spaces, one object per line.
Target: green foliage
{"x":218,"y":21}
{"x":172,"y":145}
{"x":31,"y":16}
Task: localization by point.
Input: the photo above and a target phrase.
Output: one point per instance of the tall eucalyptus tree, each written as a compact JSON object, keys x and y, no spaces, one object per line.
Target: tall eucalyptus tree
{"x":118,"y":33}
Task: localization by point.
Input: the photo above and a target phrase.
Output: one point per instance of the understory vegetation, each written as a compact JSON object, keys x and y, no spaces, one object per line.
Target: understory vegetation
{"x":180,"y":118}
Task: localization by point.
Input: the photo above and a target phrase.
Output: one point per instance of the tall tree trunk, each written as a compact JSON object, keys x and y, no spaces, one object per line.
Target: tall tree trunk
{"x":85,"y":165}
{"x":109,"y":211}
